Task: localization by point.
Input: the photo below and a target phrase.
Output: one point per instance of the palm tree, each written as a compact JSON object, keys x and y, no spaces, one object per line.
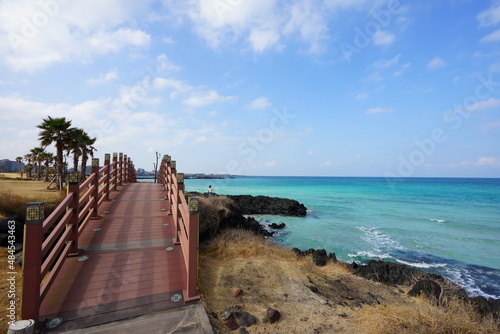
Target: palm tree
{"x":87,"y":149}
{"x":75,"y":146}
{"x":28,"y":157}
{"x":19,"y":160}
{"x":19,"y":167}
{"x":48,"y":158}
{"x":38,"y":159}
{"x":56,"y":131}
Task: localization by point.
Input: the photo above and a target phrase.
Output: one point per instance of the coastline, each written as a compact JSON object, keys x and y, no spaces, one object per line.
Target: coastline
{"x":444,"y":226}
{"x":388,"y":273}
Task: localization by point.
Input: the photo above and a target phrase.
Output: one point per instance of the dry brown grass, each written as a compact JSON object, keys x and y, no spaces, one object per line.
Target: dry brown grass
{"x":270,"y":276}
{"x":212,"y":210}
{"x":423,"y":317}
{"x":273,"y":276}
{"x":15,"y":194}
{"x":13,"y":198}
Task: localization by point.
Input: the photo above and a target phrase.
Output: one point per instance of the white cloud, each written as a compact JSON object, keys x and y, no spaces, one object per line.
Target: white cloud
{"x":490,"y":16}
{"x":310,"y":152}
{"x":34,"y":35}
{"x":493,"y":37}
{"x":167,"y":83}
{"x":259,"y":103}
{"x":386,"y":63}
{"x":435,"y":63}
{"x":382,"y":37}
{"x":326,"y":164}
{"x":362,"y":96}
{"x":486,"y":104}
{"x":164,"y":64}
{"x":401,"y":71}
{"x":373,"y":77}
{"x":201,"y":99}
{"x":495,"y":67}
{"x":262,"y":24}
{"x":379,"y":110}
{"x":103,"y":78}
{"x":488,"y":161}
{"x":490,"y":126}
{"x":271,"y":163}
{"x":263,"y":39}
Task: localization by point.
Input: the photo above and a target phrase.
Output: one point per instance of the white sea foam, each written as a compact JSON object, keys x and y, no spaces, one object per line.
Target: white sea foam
{"x":437,"y":220}
{"x":380,"y":241}
{"x":369,"y":254}
{"x":422,"y":264}
{"x":466,"y":281}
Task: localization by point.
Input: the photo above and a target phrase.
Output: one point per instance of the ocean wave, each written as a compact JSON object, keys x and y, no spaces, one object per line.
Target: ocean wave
{"x":422,"y":265}
{"x":369,"y":255}
{"x":475,"y":286}
{"x":380,"y":241}
{"x":437,"y":220}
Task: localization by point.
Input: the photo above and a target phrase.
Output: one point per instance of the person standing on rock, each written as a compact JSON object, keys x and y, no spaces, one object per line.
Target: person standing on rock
{"x":209,"y":191}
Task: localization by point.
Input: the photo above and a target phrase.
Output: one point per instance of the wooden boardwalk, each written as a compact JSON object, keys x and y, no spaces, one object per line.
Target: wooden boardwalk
{"x":133,"y":267}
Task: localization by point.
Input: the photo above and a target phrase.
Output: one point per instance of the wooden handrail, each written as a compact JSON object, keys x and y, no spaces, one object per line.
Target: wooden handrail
{"x":43,"y":258}
{"x":185,"y":217}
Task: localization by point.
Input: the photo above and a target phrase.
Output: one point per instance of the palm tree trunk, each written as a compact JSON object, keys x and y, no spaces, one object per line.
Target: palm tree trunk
{"x":46,"y":175}
{"x":84,"y":167}
{"x":75,"y":162}
{"x":59,"y":148}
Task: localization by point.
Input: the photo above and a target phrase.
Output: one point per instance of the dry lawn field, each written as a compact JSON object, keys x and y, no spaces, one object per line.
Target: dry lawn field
{"x":315,"y":299}
{"x":14,"y":194}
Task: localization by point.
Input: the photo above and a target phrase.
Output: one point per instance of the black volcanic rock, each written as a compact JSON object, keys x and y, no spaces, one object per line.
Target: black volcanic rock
{"x":251,"y":205}
{"x":319,"y":256}
{"x":426,"y":287}
{"x":277,"y":226}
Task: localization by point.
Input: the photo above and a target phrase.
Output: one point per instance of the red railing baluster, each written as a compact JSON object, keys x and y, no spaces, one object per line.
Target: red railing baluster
{"x":120,"y":169}
{"x":115,"y":170}
{"x":106,"y":176}
{"x":95,"y":189}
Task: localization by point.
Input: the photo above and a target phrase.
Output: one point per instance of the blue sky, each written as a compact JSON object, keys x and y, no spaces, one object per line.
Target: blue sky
{"x":261,"y":87}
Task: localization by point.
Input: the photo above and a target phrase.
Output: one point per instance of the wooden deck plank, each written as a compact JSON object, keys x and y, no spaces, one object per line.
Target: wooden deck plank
{"x":129,"y":270}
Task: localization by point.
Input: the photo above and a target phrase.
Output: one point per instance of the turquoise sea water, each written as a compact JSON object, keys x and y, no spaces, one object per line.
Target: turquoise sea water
{"x":449,"y":226}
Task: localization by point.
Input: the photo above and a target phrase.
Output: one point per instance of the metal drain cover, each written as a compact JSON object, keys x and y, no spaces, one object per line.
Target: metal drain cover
{"x":176,"y":298}
{"x":54,"y":322}
{"x":169,"y":249}
{"x":97,"y":229}
{"x":163,"y":209}
{"x":83,"y":258}
{"x":166,"y":224}
{"x":107,"y":211}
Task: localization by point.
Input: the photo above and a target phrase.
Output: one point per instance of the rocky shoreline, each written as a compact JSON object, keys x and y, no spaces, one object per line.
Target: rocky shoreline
{"x":433,"y":286}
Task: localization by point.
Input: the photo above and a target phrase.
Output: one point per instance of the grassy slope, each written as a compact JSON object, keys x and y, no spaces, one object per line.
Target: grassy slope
{"x":273,"y":276}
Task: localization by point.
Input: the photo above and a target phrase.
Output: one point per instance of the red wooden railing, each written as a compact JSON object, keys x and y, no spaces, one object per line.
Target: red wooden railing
{"x":44,"y":257}
{"x":185,"y":217}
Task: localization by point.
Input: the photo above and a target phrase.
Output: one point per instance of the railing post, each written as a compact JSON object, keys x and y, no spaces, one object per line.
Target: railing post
{"x":193,"y":242}
{"x":168,"y":159}
{"x":120,"y":169}
{"x":32,"y":261}
{"x":74,"y":205}
{"x":107,"y":156}
{"x":129,"y":170}
{"x":125,"y":169}
{"x":115,"y":170}
{"x":175,"y":200}
{"x":95,"y":188}
{"x":134,"y":175}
